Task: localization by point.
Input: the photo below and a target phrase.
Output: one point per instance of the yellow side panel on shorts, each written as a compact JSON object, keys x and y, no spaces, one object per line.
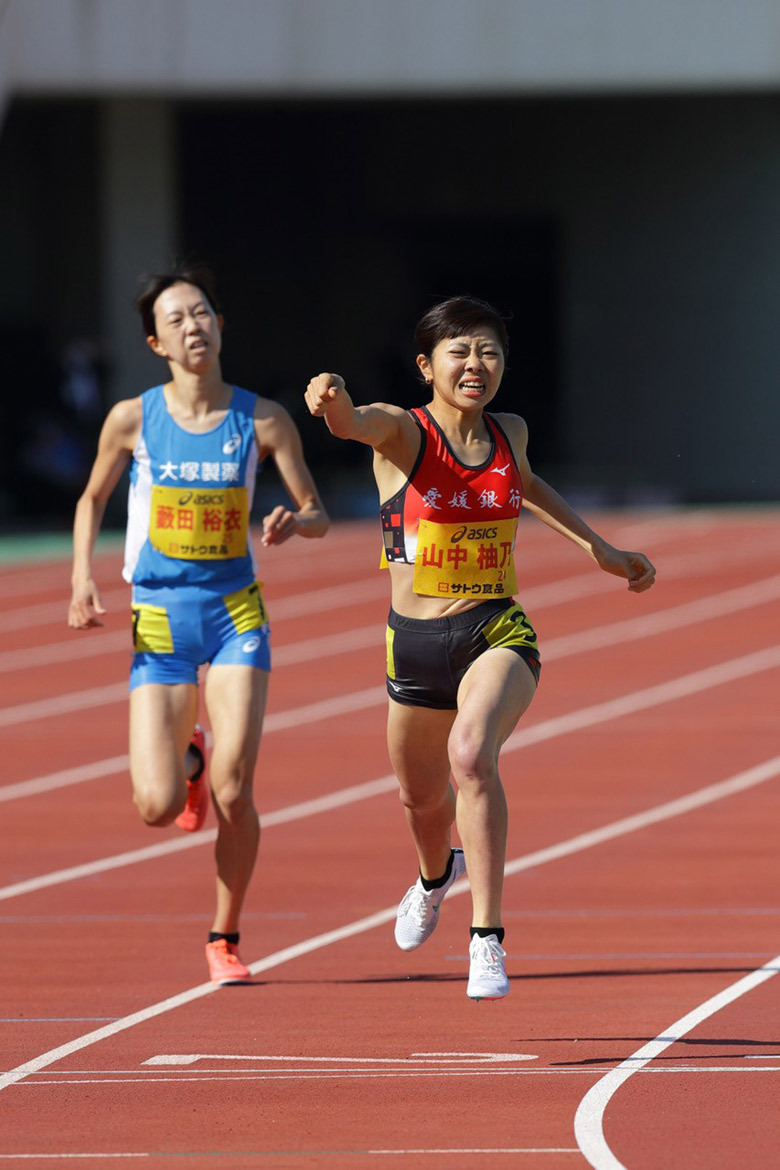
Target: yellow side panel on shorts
{"x":151,"y":630}
{"x":389,"y":637}
{"x":511,"y":628}
{"x":246,"y":609}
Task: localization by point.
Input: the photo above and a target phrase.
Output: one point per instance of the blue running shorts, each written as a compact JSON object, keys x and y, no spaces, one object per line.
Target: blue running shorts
{"x":176,"y":630}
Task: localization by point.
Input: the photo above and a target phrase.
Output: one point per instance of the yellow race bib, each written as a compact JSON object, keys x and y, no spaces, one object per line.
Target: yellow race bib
{"x":464,"y":560}
{"x":203,"y":524}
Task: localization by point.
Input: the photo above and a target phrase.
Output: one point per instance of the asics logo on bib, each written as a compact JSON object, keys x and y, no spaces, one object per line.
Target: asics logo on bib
{"x":209,"y":498}
{"x":250,"y":645}
{"x":473,"y":534}
{"x":233,"y":443}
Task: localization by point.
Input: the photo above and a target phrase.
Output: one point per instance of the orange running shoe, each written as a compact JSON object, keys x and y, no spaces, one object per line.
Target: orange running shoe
{"x":225,"y":964}
{"x":193,"y":815}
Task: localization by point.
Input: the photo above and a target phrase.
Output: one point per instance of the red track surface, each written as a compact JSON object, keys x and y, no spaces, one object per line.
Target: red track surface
{"x":347,"y":1052}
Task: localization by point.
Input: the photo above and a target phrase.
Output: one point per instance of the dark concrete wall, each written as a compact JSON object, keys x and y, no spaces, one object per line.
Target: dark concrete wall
{"x":636,"y":241}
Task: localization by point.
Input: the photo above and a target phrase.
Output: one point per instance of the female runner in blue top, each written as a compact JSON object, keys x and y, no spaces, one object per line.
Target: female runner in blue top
{"x":462,"y":657}
{"x":194,"y":446}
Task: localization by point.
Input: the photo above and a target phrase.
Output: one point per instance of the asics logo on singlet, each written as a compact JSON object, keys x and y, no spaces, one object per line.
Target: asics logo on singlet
{"x":232,"y":445}
{"x":473,"y":534}
{"x":206,"y":498}
{"x":251,"y":644}
{"x":500,"y":470}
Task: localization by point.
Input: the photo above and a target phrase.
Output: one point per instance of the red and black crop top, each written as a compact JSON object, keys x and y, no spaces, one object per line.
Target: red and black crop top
{"x":456,"y":524}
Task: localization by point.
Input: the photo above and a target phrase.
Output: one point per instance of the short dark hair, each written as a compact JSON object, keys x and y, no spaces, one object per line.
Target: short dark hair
{"x":456,"y":316}
{"x":154,"y":283}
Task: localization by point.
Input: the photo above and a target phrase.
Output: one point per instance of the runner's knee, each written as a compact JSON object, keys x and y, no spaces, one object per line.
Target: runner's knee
{"x":424,"y":800}
{"x":233,"y":797}
{"x":155,"y":808}
{"x":473,"y":761}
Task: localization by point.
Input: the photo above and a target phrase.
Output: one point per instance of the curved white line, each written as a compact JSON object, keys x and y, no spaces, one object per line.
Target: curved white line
{"x":588,"y":1120}
{"x":380,"y":918}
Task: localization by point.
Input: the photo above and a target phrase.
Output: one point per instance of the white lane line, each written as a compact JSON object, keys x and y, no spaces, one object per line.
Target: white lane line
{"x":38,"y":573}
{"x":179,"y":844}
{"x":482,"y":1150}
{"x":597,"y":956}
{"x":47,"y":574}
{"x":677,"y":688}
{"x":632,"y":629}
{"x":305,"y":1153}
{"x":63,"y":704}
{"x":118,"y":642}
{"x":111,"y":1077}
{"x":380,"y":918}
{"x":673,"y":618}
{"x":326,"y":709}
{"x":557,"y":592}
{"x":49,"y":577}
{"x":588,"y":1120}
{"x":676,"y":617}
{"x":368,"y":589}
{"x":276,"y":721}
{"x":556,"y":648}
{"x":96,"y":642}
{"x":118,"y":692}
{"x":652,"y":816}
{"x":331,"y":597}
{"x":548,"y":729}
{"x":64,"y":778}
{"x":442,"y":1060}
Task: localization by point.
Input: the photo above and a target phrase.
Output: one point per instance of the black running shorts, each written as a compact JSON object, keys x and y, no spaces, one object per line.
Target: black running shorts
{"x":427,"y":658}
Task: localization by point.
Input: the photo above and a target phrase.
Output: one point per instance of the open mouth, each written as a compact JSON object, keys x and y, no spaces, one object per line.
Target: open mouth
{"x":471,"y":386}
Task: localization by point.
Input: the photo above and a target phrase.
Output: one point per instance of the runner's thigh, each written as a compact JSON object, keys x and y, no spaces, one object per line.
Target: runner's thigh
{"x":417,"y":742}
{"x":494,"y":693}
{"x":235,"y":698}
{"x":161,"y":721}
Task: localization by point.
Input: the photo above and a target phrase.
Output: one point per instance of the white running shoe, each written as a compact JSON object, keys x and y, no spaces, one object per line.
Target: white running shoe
{"x":487,"y":977}
{"x":419,"y":910}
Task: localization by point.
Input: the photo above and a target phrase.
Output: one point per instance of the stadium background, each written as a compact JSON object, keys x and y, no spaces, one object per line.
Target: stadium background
{"x":608,"y":173}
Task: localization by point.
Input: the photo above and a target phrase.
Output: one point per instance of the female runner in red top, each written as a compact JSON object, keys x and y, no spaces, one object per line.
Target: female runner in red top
{"x":462,"y":657}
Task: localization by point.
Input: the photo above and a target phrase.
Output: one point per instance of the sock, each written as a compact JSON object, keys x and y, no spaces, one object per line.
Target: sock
{"x":200,"y":763}
{"x":437,"y":883}
{"x":484,"y":931}
{"x":215,"y":936}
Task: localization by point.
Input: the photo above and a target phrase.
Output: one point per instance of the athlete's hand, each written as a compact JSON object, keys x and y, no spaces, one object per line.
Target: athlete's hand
{"x":278,"y":526}
{"x":322,"y":392}
{"x":85,"y":606}
{"x":634,"y":566}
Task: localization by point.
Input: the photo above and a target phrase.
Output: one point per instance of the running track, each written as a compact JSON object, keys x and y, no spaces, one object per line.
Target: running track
{"x":643,"y":1026}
